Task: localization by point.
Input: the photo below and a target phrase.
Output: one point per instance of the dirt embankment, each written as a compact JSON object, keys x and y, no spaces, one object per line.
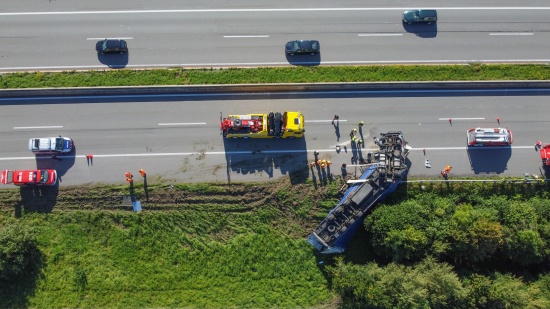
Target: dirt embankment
{"x":235,"y":197}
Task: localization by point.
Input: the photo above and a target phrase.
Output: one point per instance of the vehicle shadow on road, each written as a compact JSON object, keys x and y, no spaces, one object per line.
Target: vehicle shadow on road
{"x":422,"y":30}
{"x":250,"y":156}
{"x":489,"y":160}
{"x":61,"y":164}
{"x":114,"y":61}
{"x":304,"y":60}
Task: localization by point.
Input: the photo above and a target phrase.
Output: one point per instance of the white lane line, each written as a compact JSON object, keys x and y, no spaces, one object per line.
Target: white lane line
{"x":256,"y":64}
{"x":173,"y":154}
{"x":472,"y":148}
{"x":182,"y":124}
{"x":267,"y":10}
{"x":511,"y":33}
{"x":341,"y":120}
{"x":99,"y":39}
{"x":451,"y":118}
{"x":380,"y":34}
{"x":42,"y":127}
{"x":246,"y":36}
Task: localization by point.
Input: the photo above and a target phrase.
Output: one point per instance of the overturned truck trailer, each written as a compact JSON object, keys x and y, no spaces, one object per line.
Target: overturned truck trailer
{"x":378,"y":180}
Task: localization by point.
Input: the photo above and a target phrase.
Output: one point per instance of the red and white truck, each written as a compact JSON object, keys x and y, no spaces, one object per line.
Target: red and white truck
{"x":29,"y":177}
{"x":545,"y":155}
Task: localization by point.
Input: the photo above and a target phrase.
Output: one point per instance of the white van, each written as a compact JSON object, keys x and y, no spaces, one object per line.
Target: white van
{"x":51,"y":145}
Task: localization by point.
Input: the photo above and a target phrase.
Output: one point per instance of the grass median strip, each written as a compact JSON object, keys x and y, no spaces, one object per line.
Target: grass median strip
{"x":311,"y":74}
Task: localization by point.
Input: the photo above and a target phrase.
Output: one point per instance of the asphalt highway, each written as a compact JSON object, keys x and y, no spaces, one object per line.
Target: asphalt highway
{"x":177,"y":138}
{"x":61,"y":35}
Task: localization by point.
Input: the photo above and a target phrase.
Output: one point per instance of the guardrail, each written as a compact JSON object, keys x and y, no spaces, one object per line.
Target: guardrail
{"x":260,"y":88}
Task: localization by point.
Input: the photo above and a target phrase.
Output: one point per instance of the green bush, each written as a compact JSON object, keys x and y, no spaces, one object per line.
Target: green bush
{"x":18,"y":251}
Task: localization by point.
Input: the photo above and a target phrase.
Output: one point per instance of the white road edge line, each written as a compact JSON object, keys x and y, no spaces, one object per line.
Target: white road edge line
{"x":237,"y":152}
{"x":267,"y":10}
{"x":42,"y":127}
{"x":254,"y":64}
{"x":182,"y":124}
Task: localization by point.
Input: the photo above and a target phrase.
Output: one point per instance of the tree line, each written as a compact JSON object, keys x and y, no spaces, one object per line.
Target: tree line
{"x":469,"y":249}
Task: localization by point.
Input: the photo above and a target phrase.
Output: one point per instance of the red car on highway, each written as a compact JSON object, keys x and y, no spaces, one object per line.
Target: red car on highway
{"x":29,"y":177}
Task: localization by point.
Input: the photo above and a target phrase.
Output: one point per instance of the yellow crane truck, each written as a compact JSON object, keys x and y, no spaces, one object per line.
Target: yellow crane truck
{"x":271,"y":125}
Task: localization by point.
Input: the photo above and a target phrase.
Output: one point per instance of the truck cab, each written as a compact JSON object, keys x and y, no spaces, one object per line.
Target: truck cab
{"x":271,"y":125}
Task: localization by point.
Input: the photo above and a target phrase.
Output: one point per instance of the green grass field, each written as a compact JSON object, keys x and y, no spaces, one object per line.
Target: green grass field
{"x":209,"y":250}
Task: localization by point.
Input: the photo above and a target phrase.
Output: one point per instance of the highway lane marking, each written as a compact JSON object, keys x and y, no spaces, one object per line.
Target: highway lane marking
{"x":341,"y":120}
{"x":100,"y":39}
{"x":265,"y":10}
{"x":246,"y":36}
{"x":182,"y":124}
{"x":41,"y":127}
{"x":451,"y":118}
{"x":237,"y":153}
{"x":380,"y":34}
{"x":511,"y":33}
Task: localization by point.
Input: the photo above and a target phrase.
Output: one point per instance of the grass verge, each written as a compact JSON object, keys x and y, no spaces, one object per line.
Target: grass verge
{"x":195,"y":245}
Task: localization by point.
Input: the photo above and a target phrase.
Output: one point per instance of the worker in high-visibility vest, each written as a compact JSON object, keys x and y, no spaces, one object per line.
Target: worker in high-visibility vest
{"x":323,"y":163}
{"x":328,"y":163}
{"x":142,"y":172}
{"x":448,"y":168}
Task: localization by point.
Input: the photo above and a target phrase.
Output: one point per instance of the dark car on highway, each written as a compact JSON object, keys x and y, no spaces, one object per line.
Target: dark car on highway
{"x":420,"y":16}
{"x":109,"y":46}
{"x":302,"y":47}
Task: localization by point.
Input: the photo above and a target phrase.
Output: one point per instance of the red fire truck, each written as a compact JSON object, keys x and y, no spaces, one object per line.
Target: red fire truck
{"x":489,"y":137}
{"x":545,"y":155}
{"x":29,"y":177}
